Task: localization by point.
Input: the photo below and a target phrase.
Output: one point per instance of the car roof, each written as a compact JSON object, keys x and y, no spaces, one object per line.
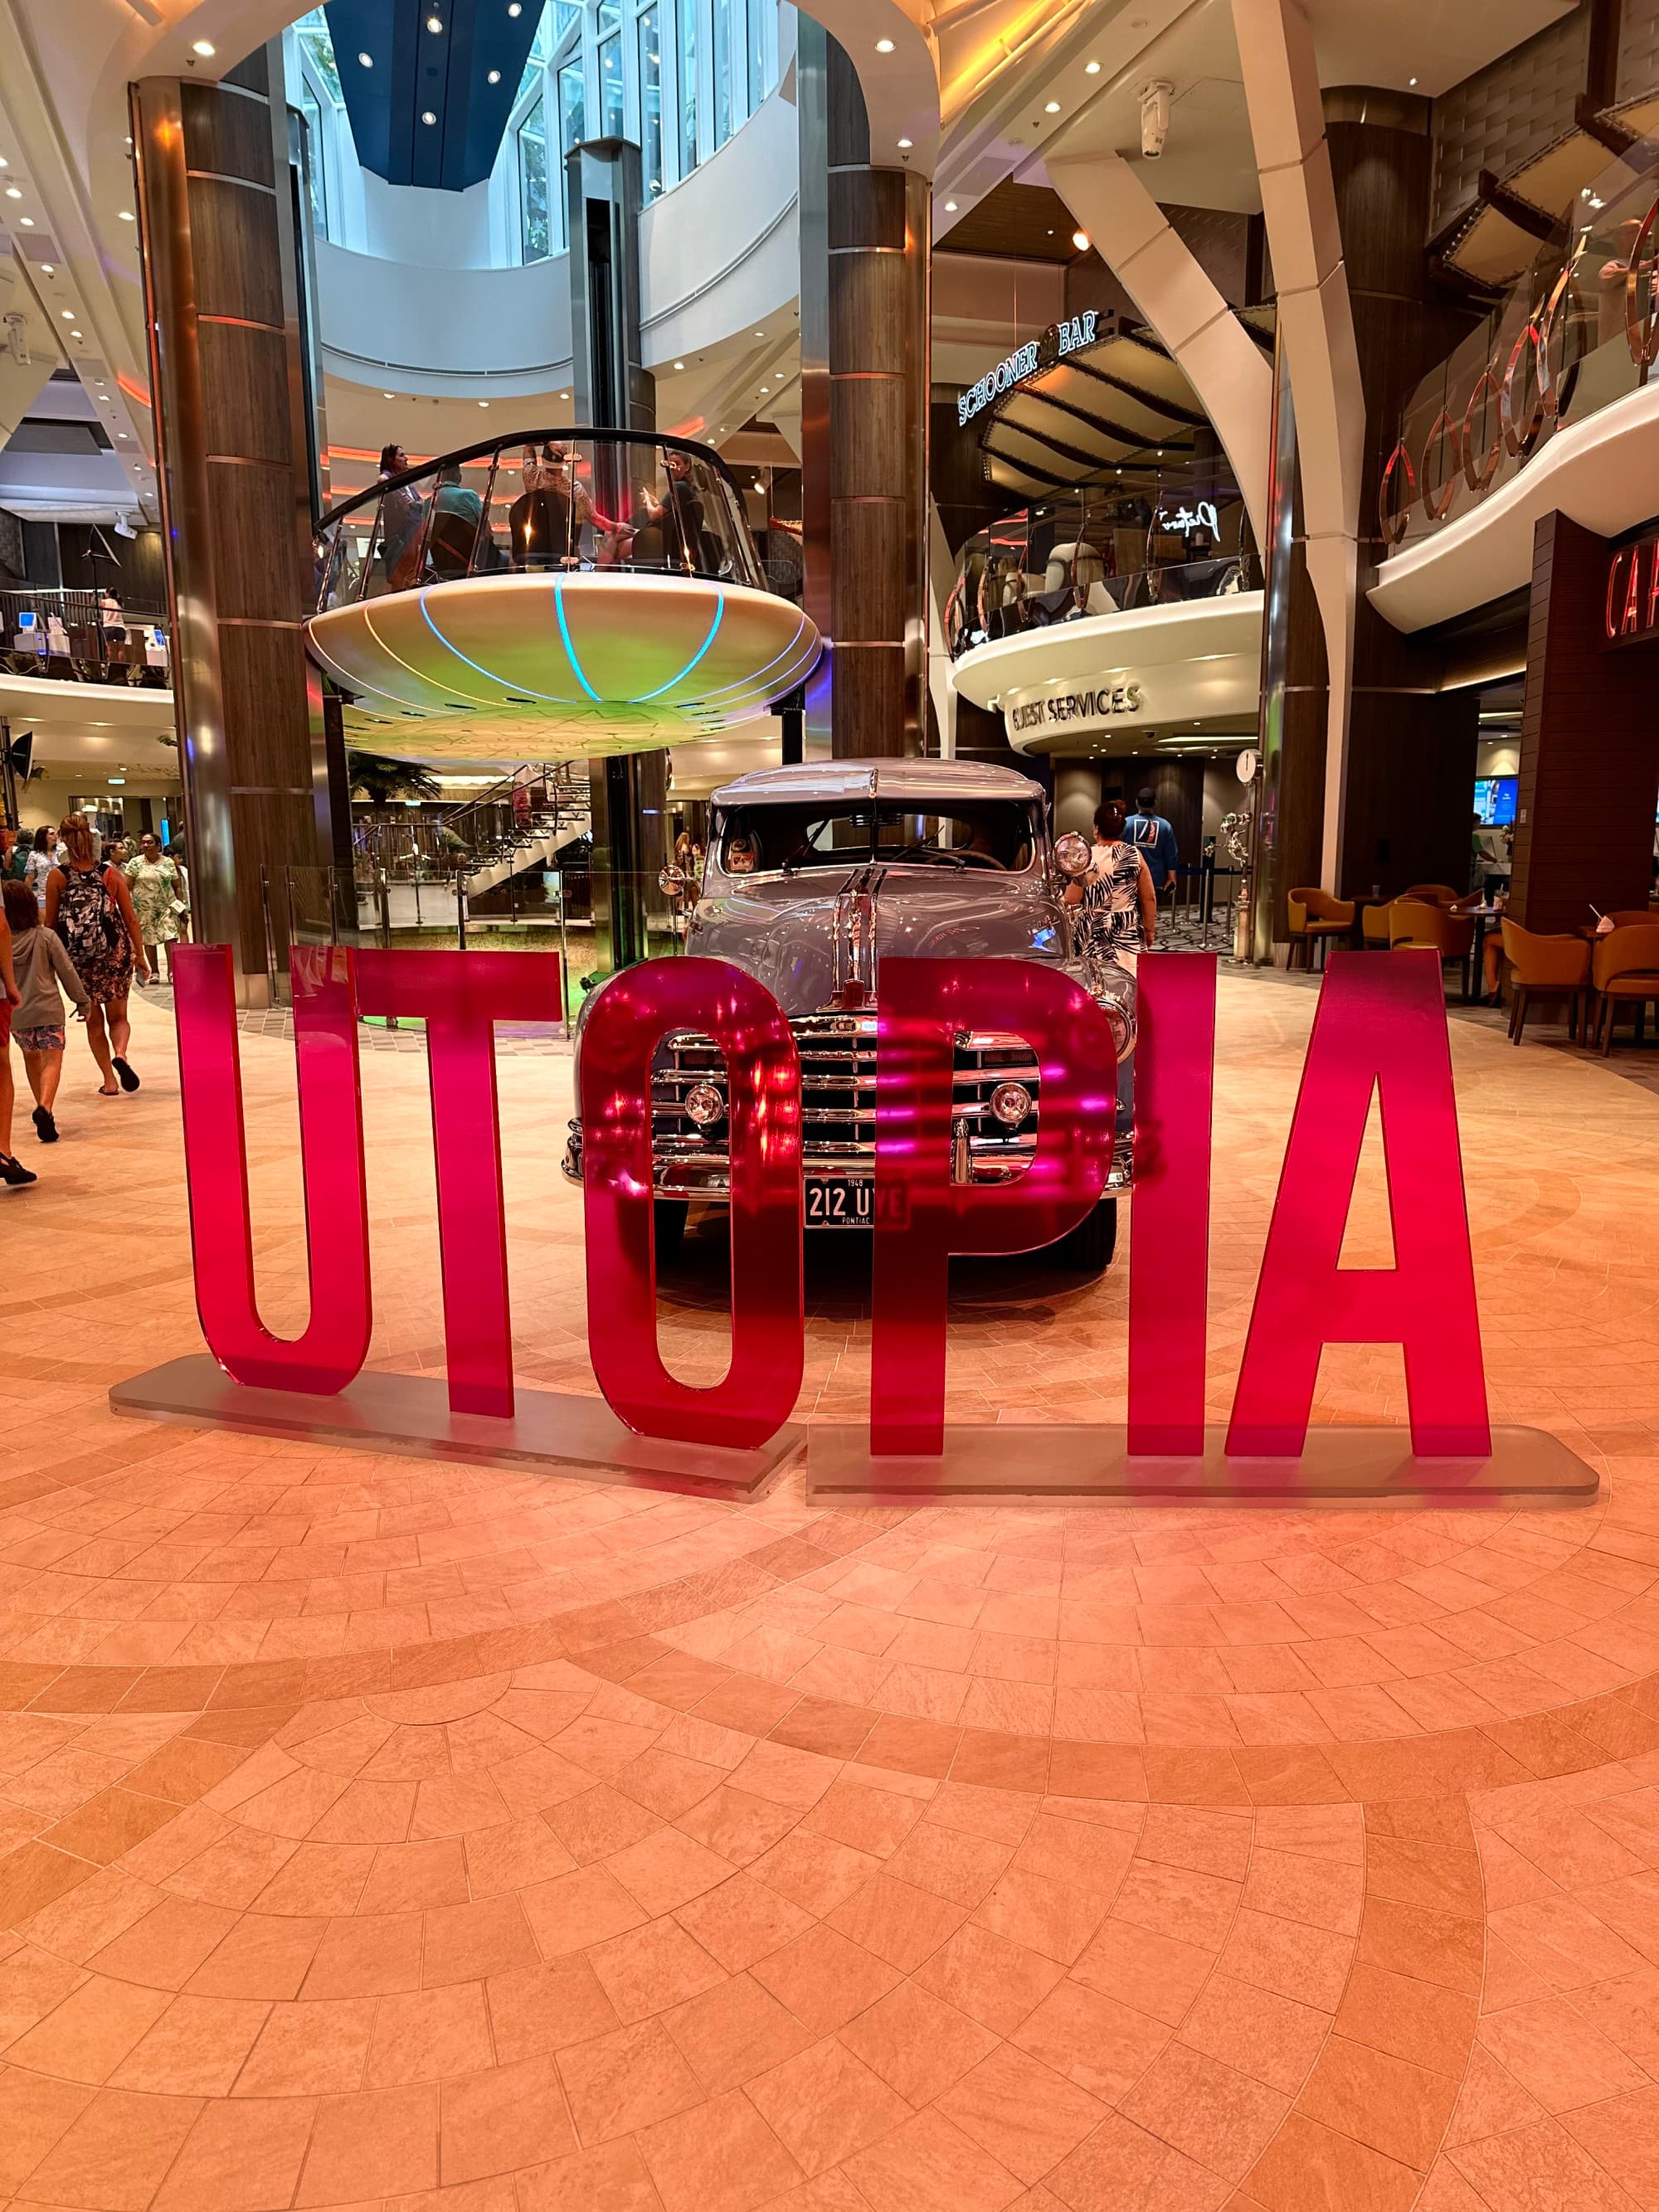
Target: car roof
{"x":904,"y":779}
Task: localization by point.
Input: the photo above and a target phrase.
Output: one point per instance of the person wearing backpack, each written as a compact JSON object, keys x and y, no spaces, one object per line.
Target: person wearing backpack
{"x":90,"y":907}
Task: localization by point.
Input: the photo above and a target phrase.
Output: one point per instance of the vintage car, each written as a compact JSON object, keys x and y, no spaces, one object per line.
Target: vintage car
{"x":814,"y":872}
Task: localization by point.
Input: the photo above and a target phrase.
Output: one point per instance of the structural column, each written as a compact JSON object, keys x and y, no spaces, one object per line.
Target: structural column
{"x":1590,"y":769}
{"x":227,"y":376}
{"x":866,"y":246}
{"x":1410,"y":783}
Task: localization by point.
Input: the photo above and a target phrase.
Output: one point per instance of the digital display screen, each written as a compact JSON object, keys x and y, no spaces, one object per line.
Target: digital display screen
{"x":1494,"y":797}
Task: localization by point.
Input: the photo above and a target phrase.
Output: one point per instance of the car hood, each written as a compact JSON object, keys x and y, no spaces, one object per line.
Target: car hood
{"x":785,"y":931}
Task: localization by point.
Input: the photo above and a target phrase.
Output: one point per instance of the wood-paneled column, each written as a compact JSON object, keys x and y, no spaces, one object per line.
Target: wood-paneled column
{"x":1589,"y":762}
{"x":222,"y":303}
{"x":865,"y":253}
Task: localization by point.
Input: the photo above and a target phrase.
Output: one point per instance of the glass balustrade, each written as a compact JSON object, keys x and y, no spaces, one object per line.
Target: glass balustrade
{"x":540,"y":501}
{"x":73,"y":635}
{"x":1578,"y":331}
{"x":1100,"y":551}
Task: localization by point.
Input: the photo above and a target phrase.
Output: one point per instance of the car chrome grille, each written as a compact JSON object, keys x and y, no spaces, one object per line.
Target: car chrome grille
{"x":838,"y":1097}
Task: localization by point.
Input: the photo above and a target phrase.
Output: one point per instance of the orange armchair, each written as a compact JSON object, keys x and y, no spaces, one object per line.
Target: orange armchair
{"x":1434,"y":893}
{"x":1624,"y":969}
{"x":1543,"y":967}
{"x":1416,"y":922}
{"x":1315,"y":916}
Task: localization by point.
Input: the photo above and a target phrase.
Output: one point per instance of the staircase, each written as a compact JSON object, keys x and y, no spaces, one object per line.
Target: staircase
{"x":521,"y":824}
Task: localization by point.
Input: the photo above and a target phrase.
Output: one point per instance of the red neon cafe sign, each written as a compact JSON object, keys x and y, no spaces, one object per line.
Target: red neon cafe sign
{"x":1632,"y":602}
{"x":1380,"y":1024}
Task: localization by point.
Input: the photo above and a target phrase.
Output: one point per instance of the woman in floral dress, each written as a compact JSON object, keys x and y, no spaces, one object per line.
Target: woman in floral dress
{"x":156,"y":883}
{"x":1120,"y":907}
{"x":90,"y":907}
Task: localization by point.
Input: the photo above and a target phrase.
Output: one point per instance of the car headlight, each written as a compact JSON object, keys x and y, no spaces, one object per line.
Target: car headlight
{"x":1010,"y":1104}
{"x":705,"y":1104}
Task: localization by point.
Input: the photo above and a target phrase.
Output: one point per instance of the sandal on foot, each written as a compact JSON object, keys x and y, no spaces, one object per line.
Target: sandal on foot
{"x":129,"y":1081}
{"x":14,"y":1176}
{"x":46,"y":1127}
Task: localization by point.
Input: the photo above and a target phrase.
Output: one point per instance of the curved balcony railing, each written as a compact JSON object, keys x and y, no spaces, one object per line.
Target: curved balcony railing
{"x":1578,"y":331}
{"x":1098,"y":552}
{"x":541,"y":500}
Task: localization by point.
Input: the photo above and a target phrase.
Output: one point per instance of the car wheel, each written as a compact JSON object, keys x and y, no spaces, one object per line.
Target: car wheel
{"x":1088,"y":1249}
{"x":669,"y":1225}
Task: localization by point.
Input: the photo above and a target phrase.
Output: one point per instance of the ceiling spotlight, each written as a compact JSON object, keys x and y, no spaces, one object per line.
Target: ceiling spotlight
{"x":125,"y":216}
{"x":435,"y":24}
{"x":884,"y":46}
{"x":204,"y":47}
{"x":1051,"y":108}
{"x":679,"y":364}
{"x":13,"y":193}
{"x":67,"y":314}
{"x":760,"y":334}
{"x":74,"y":334}
{"x":766,"y":387}
{"x":46,"y":269}
{"x":484,"y":403}
{"x":514,"y":8}
{"x":905,"y":145}
{"x":4,"y":163}
{"x":27,"y":222}
{"x":495,"y":77}
{"x":1091,"y":69}
{"x":366,"y":60}
{"x":427,"y":116}
{"x":564,"y":395}
{"x":388,"y":395}
{"x":1413,"y":80}
{"x":1080,"y":240}
{"x":950,"y":207}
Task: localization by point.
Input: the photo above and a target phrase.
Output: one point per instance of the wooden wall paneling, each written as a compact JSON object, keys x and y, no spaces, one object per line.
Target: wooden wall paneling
{"x":238,"y":265}
{"x":226,"y":136}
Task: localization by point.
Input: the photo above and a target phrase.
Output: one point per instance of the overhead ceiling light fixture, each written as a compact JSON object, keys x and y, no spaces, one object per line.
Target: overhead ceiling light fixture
{"x":13,"y":193}
{"x":205,"y":48}
{"x":679,"y":364}
{"x":435,"y":24}
{"x":1413,"y":80}
{"x":495,"y":77}
{"x":1091,"y":69}
{"x":904,"y":145}
{"x":124,"y":215}
{"x":1080,"y":240}
{"x":427,"y":116}
{"x":67,"y":314}
{"x":1051,"y":108}
{"x":27,"y":222}
{"x":388,"y":395}
{"x":950,"y":207}
{"x":484,"y":403}
{"x":884,"y":46}
{"x":367,"y":60}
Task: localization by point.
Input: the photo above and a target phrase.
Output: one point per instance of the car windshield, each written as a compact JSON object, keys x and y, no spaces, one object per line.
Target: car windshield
{"x":968,"y":833}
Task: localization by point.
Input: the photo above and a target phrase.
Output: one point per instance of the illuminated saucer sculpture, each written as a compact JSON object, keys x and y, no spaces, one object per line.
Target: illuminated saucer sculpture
{"x":553,"y":593}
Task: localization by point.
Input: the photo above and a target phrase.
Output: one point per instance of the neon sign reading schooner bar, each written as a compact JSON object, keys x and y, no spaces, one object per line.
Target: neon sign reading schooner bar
{"x":1031,"y":359}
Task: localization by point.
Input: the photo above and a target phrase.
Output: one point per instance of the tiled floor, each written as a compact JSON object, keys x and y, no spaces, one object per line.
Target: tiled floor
{"x":378,"y":1834}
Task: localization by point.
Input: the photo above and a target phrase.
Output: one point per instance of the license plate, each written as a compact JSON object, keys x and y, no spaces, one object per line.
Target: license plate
{"x":839,"y":1205}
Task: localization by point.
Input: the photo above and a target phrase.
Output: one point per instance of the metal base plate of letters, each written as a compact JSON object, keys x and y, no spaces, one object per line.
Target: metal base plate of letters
{"x":560,"y":1431}
{"x":988,"y":1461}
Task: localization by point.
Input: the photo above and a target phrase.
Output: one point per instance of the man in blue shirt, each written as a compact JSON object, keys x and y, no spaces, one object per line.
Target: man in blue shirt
{"x":1157,"y":840}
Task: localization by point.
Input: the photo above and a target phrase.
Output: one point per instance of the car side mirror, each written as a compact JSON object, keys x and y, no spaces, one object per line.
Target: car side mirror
{"x":1072,"y":855}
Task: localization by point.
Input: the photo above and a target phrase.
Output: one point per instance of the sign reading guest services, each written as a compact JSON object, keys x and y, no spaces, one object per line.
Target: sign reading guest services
{"x":1072,"y":707}
{"x":1032,"y":359}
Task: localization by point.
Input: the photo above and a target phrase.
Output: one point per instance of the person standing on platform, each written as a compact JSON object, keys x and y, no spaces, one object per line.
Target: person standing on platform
{"x":1148,"y":832}
{"x":91,"y":908}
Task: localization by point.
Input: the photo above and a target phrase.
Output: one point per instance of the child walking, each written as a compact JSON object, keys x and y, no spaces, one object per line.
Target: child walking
{"x":41,"y":965}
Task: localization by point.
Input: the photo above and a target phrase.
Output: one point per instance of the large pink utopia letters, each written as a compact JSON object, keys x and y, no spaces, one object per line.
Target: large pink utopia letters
{"x":628,"y":1019}
{"x":1381,"y":1023}
{"x":334,"y":1344}
{"x":922,"y":1217}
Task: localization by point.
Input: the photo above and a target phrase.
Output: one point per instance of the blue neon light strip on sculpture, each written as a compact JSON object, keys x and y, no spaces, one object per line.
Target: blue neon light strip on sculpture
{"x":719,"y":609}
{"x":552,"y":698}
{"x":570,"y":650}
